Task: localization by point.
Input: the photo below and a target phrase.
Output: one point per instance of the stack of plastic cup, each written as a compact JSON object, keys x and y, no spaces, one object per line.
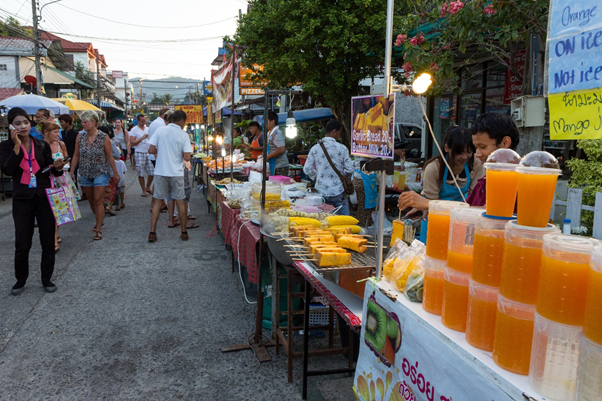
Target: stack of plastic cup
{"x":560,"y":313}
{"x":482,"y":311}
{"x":434,"y":281}
{"x":461,"y":238}
{"x":502,"y":182}
{"x":455,"y":300}
{"x":518,"y":294}
{"x":537,"y":176}
{"x":589,"y":383}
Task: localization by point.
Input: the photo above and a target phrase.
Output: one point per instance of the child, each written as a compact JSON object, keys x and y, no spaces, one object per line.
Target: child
{"x":121,"y":168}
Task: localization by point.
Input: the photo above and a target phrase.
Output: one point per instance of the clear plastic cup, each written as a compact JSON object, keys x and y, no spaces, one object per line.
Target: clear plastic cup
{"x":481,"y":316}
{"x":434,"y":281}
{"x":554,"y":359}
{"x":513,"y":335}
{"x":537,"y":176}
{"x":455,"y":300}
{"x":502,"y":182}
{"x":592,"y":326}
{"x":563,"y":278}
{"x":437,"y":239}
{"x":461,"y":238}
{"x":589,"y":377}
{"x":488,"y":250}
{"x":522,"y":261}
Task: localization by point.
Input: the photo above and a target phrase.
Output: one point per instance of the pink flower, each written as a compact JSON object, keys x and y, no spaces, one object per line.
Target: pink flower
{"x":489,"y":10}
{"x":401,"y":39}
{"x":407,"y":67}
{"x":407,"y":75}
{"x":444,"y":9}
{"x":455,"y":6}
{"x":417,"y":40}
{"x":434,"y":66}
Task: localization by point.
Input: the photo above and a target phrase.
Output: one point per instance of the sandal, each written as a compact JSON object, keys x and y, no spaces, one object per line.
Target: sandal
{"x":184,"y":236}
{"x":97,"y":235}
{"x":191,"y":217}
{"x":152,"y":236}
{"x":59,"y":240}
{"x":192,"y":226}
{"x":57,"y":249}
{"x":177,"y":223}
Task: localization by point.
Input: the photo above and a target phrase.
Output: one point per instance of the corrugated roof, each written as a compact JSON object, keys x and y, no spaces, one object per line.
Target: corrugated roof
{"x":5,"y":93}
{"x":10,"y":46}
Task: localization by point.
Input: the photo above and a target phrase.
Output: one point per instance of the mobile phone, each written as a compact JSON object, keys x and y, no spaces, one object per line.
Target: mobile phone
{"x":10,"y":127}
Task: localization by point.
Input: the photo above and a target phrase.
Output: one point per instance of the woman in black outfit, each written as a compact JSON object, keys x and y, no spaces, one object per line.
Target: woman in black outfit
{"x":29,"y":196}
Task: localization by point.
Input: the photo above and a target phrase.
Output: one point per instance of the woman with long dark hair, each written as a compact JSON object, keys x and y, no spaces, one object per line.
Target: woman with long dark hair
{"x":24,"y":158}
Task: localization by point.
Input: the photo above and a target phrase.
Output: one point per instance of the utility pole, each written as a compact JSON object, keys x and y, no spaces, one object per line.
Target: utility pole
{"x":140,"y":88}
{"x":36,"y":46}
{"x":98,"y":79}
{"x":197,"y":95}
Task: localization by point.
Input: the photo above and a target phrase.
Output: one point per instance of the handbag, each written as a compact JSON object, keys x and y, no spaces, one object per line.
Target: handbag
{"x":346,"y":181}
{"x":63,"y":203}
{"x":66,"y":181}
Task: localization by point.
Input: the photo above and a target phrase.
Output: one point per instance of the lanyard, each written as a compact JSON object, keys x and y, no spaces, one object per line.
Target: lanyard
{"x":29,"y":160}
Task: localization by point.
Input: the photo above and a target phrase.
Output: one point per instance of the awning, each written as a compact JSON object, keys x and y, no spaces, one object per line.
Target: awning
{"x":68,"y":76}
{"x":104,"y":105}
{"x":225,"y":112}
{"x":302,"y":116}
{"x":50,"y":74}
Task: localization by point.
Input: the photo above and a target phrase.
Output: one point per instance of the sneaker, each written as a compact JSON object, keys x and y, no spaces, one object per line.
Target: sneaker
{"x":49,"y":286}
{"x":18,"y":288}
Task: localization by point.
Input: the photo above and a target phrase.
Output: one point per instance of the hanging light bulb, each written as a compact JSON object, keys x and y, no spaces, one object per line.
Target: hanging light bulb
{"x":422,"y":83}
{"x":223,"y":152}
{"x":291,"y":129}
{"x":210,"y":138}
{"x":219,"y":139}
{"x":197,"y":126}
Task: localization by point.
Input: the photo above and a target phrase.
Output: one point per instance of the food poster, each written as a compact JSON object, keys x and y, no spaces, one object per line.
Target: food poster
{"x":402,"y":360}
{"x":373,"y":126}
{"x":221,"y":82}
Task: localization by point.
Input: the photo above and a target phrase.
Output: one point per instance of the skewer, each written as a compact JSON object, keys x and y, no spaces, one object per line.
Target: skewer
{"x":295,"y":246}
{"x":306,"y":260}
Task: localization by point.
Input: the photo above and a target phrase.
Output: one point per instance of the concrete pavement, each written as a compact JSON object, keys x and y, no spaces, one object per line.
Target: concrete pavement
{"x":138,"y":321}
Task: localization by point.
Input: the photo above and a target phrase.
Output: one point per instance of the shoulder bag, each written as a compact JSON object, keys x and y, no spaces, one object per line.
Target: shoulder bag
{"x":346,"y":181}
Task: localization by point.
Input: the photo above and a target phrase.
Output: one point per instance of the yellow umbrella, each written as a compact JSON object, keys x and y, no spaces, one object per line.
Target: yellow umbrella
{"x":77,"y":105}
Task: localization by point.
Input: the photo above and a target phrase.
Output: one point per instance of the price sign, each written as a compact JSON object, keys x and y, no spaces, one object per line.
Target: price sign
{"x":373,"y":124}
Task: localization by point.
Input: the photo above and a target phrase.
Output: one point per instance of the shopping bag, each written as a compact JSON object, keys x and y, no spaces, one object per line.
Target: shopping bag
{"x":63,"y":203}
{"x":66,"y":180}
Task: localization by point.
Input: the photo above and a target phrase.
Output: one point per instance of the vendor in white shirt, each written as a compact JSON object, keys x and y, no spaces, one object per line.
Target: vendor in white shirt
{"x":318,"y":168}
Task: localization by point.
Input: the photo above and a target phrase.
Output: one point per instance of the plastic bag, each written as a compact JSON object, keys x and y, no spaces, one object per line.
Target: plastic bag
{"x":415,"y":284}
{"x":392,"y":255}
{"x":403,"y":267}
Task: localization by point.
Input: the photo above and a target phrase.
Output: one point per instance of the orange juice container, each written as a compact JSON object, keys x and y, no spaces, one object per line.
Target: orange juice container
{"x":563,"y":278}
{"x":481,"y":316}
{"x":592,"y":327}
{"x":513,"y":335}
{"x":589,"y":377}
{"x":437,"y":238}
{"x":554,"y":359}
{"x":434,"y":281}
{"x":488,"y":250}
{"x":455,"y":300}
{"x":537,"y":176}
{"x":522,"y":261}
{"x":461,"y":238}
{"x":502,"y":182}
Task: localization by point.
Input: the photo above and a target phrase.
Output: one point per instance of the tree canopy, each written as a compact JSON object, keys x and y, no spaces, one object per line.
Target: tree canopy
{"x":12,"y":27}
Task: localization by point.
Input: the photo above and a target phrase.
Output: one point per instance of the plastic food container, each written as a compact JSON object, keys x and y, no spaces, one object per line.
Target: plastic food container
{"x":522,"y":261}
{"x":481,"y":316}
{"x":513,"y":335}
{"x":589,"y":378}
{"x":434,"y":281}
{"x":437,"y":239}
{"x":280,"y":179}
{"x":592,"y":327}
{"x":314,"y":199}
{"x":502,"y":182}
{"x":537,"y":176}
{"x":554,"y":359}
{"x":455,"y":300}
{"x":563,"y":278}
{"x":488,"y":250}
{"x":461,"y":238}
{"x":272,"y":191}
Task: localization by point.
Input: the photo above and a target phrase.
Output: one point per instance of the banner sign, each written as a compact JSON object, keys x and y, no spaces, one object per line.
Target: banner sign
{"x":207,"y":88}
{"x":117,"y":74}
{"x":247,"y":85}
{"x":157,"y":107}
{"x":403,"y":359}
{"x":209,"y":114}
{"x":373,"y":124}
{"x":574,"y":69}
{"x":513,"y":87}
{"x":194,"y":113}
{"x":221,"y":81}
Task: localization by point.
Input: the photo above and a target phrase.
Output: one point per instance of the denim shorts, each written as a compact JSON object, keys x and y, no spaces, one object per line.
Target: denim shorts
{"x":100,"y":181}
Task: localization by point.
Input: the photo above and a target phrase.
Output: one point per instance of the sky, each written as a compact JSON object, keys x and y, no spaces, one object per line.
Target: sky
{"x":149,"y":39}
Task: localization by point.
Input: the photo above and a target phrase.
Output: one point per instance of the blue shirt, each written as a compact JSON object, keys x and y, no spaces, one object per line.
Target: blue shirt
{"x":36,"y":134}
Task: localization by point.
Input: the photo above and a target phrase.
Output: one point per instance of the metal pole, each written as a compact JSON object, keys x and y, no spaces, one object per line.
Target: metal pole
{"x":381,"y":190}
{"x":36,"y":46}
{"x":98,"y":80}
{"x":232,"y":114}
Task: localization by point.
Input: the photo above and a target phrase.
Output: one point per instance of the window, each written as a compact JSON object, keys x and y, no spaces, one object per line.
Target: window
{"x":3,"y":67}
{"x":70,"y":63}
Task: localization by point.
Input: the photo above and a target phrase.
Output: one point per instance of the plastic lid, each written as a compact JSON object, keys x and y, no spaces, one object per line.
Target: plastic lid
{"x":539,"y":162}
{"x":515,"y":309}
{"x":483,"y":292}
{"x":566,"y":221}
{"x":456,"y":277}
{"x":444,"y":207}
{"x":596,"y":261}
{"x":517,"y":233}
{"x":570,"y":248}
{"x":485,"y":223}
{"x":502,"y":159}
{"x":434,"y":264}
{"x":466,"y":215}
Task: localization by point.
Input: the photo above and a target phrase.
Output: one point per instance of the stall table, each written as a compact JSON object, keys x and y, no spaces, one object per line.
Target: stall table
{"x":243,"y":237}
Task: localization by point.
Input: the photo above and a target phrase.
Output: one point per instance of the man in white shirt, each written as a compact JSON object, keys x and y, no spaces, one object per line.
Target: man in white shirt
{"x":156,"y":124}
{"x":139,"y":140}
{"x":318,"y":168}
{"x":172,"y":147}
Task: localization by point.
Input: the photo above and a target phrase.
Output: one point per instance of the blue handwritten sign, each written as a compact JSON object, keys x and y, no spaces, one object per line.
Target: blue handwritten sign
{"x":570,"y":17}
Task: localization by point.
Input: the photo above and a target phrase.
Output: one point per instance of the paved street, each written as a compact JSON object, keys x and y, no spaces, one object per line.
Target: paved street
{"x":134,"y":320}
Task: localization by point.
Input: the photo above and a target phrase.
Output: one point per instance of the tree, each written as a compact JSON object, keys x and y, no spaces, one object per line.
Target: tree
{"x":167,"y":98}
{"x":326,"y":46}
{"x":440,"y":37}
{"x":84,"y":74}
{"x":156,"y":99}
{"x":12,"y":27}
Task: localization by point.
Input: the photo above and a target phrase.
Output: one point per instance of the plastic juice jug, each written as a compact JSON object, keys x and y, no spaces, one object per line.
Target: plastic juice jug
{"x":401,"y":180}
{"x":502,"y":182}
{"x":481,"y":316}
{"x":488,"y":251}
{"x":434,"y":281}
{"x":513,"y":336}
{"x":589,"y":382}
{"x":592,"y":327}
{"x":437,"y":239}
{"x":455,"y":300}
{"x":461,"y":238}
{"x":564,"y":277}
{"x":522,"y":261}
{"x":537,"y":176}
